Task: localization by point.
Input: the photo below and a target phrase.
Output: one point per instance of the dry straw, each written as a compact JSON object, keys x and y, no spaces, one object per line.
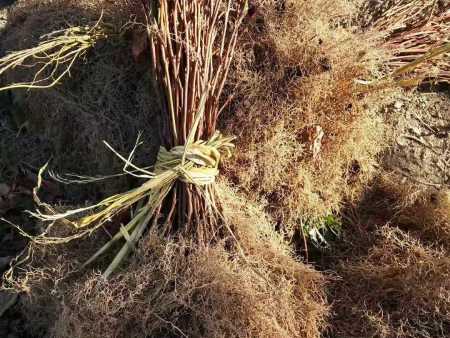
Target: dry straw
{"x":54,"y":56}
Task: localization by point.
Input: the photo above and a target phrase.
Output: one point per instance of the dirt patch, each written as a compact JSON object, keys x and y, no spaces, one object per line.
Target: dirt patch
{"x":421,"y":152}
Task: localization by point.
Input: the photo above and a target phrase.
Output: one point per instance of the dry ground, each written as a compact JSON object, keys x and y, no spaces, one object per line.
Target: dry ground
{"x":421,"y":151}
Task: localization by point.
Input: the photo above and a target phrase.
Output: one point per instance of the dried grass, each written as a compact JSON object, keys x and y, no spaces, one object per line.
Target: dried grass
{"x":400,"y":289}
{"x":210,"y":291}
{"x":55,"y":55}
{"x":393,"y":260}
{"x":175,"y":289}
{"x":298,"y":77}
{"x":307,"y":141}
{"x":422,"y":210}
{"x":178,"y":196}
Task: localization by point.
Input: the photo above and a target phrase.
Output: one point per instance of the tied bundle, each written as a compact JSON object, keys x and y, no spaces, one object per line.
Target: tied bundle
{"x":192,"y":45}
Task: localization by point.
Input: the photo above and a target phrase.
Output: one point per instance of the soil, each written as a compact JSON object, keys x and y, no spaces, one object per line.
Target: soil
{"x":11,"y":206}
{"x":421,"y":152}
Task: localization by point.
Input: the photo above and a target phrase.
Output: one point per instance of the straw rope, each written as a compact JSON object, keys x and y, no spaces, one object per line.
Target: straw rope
{"x":196,"y":163}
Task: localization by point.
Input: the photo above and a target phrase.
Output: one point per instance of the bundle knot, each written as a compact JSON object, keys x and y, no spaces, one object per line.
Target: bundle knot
{"x":198,"y":162}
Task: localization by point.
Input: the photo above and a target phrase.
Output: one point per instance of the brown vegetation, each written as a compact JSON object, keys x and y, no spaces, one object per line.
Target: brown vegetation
{"x":422,"y":210}
{"x":177,"y":288}
{"x":399,"y":289}
{"x":107,"y":97}
{"x":305,"y":136}
{"x":394,"y":265}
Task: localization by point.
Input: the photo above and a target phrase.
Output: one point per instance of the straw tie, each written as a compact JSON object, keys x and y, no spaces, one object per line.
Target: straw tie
{"x":196,"y":163}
